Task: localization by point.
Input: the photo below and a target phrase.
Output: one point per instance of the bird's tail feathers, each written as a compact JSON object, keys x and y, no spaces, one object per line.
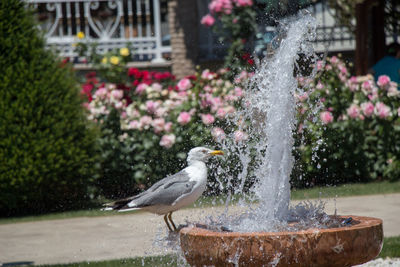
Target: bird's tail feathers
{"x":128,"y":209}
{"x":120,"y":205}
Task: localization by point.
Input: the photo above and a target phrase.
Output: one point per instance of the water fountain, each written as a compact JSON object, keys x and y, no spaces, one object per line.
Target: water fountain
{"x":309,"y":237}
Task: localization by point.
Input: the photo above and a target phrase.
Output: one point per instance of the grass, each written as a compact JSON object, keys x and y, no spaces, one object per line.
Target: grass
{"x":165,"y":260}
{"x":347,"y":190}
{"x":391,"y":248}
{"x":316,"y":192}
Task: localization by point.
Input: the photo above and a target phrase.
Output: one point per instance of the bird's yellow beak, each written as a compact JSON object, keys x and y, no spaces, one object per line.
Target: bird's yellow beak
{"x":217,"y":152}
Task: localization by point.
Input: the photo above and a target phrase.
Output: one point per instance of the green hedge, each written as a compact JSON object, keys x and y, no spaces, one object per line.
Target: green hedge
{"x":46,"y":149}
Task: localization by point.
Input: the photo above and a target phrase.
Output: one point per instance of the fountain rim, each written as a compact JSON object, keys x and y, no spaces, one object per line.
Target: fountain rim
{"x":364,"y":222}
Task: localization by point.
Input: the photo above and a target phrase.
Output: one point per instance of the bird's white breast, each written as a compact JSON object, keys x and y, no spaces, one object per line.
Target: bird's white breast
{"x":197,"y":172}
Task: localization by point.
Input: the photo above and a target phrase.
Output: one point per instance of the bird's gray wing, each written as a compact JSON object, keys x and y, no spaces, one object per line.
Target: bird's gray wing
{"x":166,"y":196}
{"x":181,"y":176}
{"x":144,"y":198}
{"x":167,"y":190}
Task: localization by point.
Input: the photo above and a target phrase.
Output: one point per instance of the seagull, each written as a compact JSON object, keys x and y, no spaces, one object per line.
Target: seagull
{"x":173,"y":192}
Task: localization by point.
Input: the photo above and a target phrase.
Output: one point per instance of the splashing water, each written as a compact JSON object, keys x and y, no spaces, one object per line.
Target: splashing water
{"x":269,"y":120}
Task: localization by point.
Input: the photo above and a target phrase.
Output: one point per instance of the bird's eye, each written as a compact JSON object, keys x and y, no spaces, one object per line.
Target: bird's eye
{"x":204,"y":151}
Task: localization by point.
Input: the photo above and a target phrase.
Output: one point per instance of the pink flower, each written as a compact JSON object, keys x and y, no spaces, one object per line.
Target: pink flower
{"x":300,"y":128}
{"x":353,"y":79}
{"x":117,"y":94}
{"x":134,"y":124}
{"x":208,"y":20}
{"x":156,"y":87}
{"x":334,"y":60}
{"x":353,"y":111}
{"x":141,"y":88}
{"x":119,"y":105}
{"x":242,"y":75}
{"x":207,"y":119}
{"x":160,"y":111}
{"x":383,"y":81}
{"x":244,"y":2}
{"x":216,"y":6}
{"x":151,"y":106}
{"x":208,"y":89}
{"x":221,"y":113}
{"x":392,"y":90}
{"x":320,"y":65}
{"x":326,"y":117}
{"x":373,"y":96}
{"x":132,"y":112}
{"x":302,"y":97}
{"x":342,"y":69}
{"x":101,"y":92}
{"x":184,"y":84}
{"x":207,"y":75}
{"x":218,"y":134}
{"x":168,"y":127}
{"x":367,"y":108}
{"x":146,"y":121}
{"x":216,"y":102}
{"x":238,"y":91}
{"x":184,"y":118}
{"x":240,"y":136}
{"x":167,"y":140}
{"x":352,"y":83}
{"x":158,"y":125}
{"x":367,"y":86}
{"x":382,"y":110}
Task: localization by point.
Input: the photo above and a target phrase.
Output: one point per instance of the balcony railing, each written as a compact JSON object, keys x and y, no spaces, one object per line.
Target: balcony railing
{"x":141,"y":24}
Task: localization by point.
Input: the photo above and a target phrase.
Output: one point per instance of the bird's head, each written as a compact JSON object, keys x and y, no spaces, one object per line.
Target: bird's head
{"x":202,"y":154}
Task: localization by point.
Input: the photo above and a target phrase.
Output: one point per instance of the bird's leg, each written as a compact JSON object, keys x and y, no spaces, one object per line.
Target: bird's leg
{"x":166,"y":221}
{"x":172,"y":222}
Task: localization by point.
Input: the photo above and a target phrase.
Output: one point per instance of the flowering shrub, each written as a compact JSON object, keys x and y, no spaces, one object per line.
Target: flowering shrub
{"x":350,"y":126}
{"x":155,"y":119}
{"x":238,"y":25}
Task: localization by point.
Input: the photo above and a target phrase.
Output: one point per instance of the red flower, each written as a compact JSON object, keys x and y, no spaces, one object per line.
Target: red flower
{"x":64,"y":62}
{"x":90,"y":75}
{"x":191,"y":77}
{"x":145,"y":75}
{"x":134,"y":72}
{"x":246,"y":56}
{"x":87,"y":88}
{"x":123,"y":87}
{"x":128,"y":100}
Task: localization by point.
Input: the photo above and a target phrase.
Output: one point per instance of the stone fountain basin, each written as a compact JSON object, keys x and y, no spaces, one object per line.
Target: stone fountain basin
{"x":344,"y":246}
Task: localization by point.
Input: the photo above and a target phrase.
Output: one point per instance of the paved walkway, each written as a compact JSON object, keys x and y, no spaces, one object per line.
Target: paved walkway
{"x":126,"y":236}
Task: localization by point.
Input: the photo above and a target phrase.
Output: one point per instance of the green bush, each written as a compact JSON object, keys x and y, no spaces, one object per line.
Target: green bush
{"x":46,"y":148}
